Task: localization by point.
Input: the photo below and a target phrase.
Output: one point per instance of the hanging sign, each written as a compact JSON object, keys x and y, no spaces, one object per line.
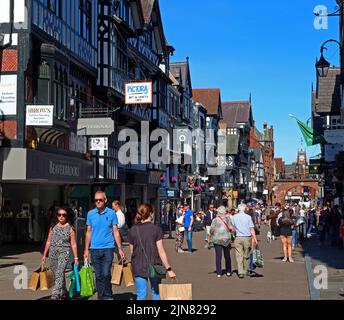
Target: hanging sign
{"x":139,"y":93}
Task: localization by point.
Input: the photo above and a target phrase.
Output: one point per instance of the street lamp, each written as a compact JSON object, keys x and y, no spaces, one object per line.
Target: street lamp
{"x":322,"y":65}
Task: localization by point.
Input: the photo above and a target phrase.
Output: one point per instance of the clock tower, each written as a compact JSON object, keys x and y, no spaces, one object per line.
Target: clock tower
{"x":301,"y":167}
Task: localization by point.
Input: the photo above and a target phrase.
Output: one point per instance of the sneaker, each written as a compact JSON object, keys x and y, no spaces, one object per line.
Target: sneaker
{"x":180,"y":251}
{"x":241,"y":276}
{"x":285,"y":259}
{"x":229,"y":274}
{"x":291,"y":259}
{"x":219,"y":276}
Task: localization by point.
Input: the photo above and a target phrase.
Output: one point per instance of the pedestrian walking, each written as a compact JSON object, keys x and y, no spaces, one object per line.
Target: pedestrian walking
{"x":61,"y":240}
{"x":294,"y":240}
{"x":245,"y":237}
{"x":180,"y":229}
{"x":101,"y":235}
{"x":220,"y":235}
{"x":188,"y":223}
{"x":122,"y":225}
{"x":208,"y":219}
{"x":273,"y":224}
{"x":334,"y":221}
{"x":147,"y":247}
{"x":323,"y":225}
{"x":286,"y":225}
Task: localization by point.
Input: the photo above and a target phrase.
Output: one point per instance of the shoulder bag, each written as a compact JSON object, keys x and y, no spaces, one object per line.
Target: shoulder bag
{"x":229,"y":230}
{"x":155,"y":270}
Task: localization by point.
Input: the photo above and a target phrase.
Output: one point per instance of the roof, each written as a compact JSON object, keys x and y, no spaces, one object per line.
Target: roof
{"x":326,"y":98}
{"x":210,"y":99}
{"x":147,"y":8}
{"x":180,"y":71}
{"x":237,"y":112}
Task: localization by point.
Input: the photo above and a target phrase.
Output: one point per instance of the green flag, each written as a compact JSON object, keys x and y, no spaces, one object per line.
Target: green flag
{"x":311,"y":136}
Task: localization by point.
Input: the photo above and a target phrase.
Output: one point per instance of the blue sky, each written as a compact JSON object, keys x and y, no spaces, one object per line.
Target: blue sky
{"x":267,"y":48}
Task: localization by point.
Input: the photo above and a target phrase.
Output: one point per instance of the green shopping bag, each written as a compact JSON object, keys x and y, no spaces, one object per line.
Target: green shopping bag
{"x":72,"y":286}
{"x":87,"y":281}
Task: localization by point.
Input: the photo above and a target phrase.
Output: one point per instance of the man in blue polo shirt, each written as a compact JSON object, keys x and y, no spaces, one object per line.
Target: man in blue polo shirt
{"x":188,"y":222}
{"x":102,"y":231}
{"x":245,"y":238}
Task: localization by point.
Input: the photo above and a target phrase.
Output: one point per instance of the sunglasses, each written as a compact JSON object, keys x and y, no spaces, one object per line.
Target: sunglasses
{"x":98,"y":200}
{"x":62,"y":215}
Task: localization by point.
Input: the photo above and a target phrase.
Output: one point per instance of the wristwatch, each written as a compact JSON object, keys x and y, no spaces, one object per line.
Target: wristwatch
{"x":169,"y":269}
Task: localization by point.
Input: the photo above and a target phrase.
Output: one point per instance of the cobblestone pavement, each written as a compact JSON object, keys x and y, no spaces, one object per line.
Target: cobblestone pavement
{"x":277,"y":280}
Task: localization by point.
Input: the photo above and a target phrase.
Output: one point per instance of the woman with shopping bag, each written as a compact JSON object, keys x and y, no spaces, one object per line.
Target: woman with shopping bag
{"x":61,"y":240}
{"x":148,"y":254}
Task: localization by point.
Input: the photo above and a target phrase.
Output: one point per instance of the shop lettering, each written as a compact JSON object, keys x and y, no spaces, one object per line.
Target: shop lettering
{"x":143,"y":89}
{"x":63,"y":170}
{"x":40,"y":110}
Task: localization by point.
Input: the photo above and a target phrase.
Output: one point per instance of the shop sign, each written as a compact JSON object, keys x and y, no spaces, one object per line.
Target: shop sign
{"x":98,"y":144}
{"x":170,"y":193}
{"x":139,"y":93}
{"x":95,"y":126}
{"x":41,"y":116}
{"x":8,"y":95}
{"x":63,"y":169}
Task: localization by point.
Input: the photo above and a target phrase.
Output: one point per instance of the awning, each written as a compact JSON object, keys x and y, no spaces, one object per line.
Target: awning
{"x":49,"y":136}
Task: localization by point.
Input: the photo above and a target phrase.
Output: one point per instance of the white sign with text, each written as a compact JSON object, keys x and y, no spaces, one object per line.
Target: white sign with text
{"x":98,"y":144}
{"x":39,"y":115}
{"x":139,"y":93}
{"x":8,"y":95}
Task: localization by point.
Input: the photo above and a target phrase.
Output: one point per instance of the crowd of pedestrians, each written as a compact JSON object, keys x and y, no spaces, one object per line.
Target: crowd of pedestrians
{"x":224,"y":229}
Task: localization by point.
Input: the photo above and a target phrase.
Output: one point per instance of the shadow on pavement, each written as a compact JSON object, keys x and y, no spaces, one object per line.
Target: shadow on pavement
{"x":2,"y":266}
{"x":16,"y":249}
{"x":333,"y":256}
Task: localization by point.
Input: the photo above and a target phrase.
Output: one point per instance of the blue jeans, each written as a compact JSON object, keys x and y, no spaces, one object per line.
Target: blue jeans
{"x":142,"y":288}
{"x":188,"y":235}
{"x":252,"y":265}
{"x":102,"y":261}
{"x":294,"y":239}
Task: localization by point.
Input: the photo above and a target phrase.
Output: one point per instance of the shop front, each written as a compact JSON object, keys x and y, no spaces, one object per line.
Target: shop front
{"x":32,"y":182}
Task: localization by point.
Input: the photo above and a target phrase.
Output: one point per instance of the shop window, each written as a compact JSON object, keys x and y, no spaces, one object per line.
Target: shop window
{"x":55,"y":6}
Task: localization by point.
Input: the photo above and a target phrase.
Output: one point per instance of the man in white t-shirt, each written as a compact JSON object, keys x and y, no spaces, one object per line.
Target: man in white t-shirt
{"x":122,"y":226}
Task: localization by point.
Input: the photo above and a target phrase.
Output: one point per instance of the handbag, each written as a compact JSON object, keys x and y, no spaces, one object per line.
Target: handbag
{"x":46,"y":278}
{"x":87,"y":280}
{"x":155,"y":271}
{"x":258,"y":259}
{"x":175,"y":291}
{"x":117,"y":273}
{"x":181,"y":229}
{"x":128,"y":275}
{"x":34,"y":280}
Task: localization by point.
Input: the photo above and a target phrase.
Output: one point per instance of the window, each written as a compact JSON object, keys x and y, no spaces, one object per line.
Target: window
{"x":55,"y":6}
{"x":85,"y":19}
{"x":60,"y":93}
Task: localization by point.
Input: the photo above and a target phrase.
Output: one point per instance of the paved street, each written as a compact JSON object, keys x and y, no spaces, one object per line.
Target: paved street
{"x":281,"y":281}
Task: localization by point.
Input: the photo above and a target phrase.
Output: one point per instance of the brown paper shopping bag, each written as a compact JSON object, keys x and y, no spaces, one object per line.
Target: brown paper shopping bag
{"x":175,"y":291}
{"x":117,"y":273}
{"x":128,"y":275}
{"x":34,"y":280}
{"x":46,"y":278}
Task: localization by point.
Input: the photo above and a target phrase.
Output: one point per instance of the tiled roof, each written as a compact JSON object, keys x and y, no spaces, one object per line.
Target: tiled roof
{"x":180,"y":71}
{"x":236,"y":112}
{"x":326,"y":99}
{"x":147,"y":8}
{"x":209,"y":98}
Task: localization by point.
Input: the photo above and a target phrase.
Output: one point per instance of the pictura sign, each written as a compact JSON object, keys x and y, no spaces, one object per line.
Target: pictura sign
{"x":139,"y":93}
